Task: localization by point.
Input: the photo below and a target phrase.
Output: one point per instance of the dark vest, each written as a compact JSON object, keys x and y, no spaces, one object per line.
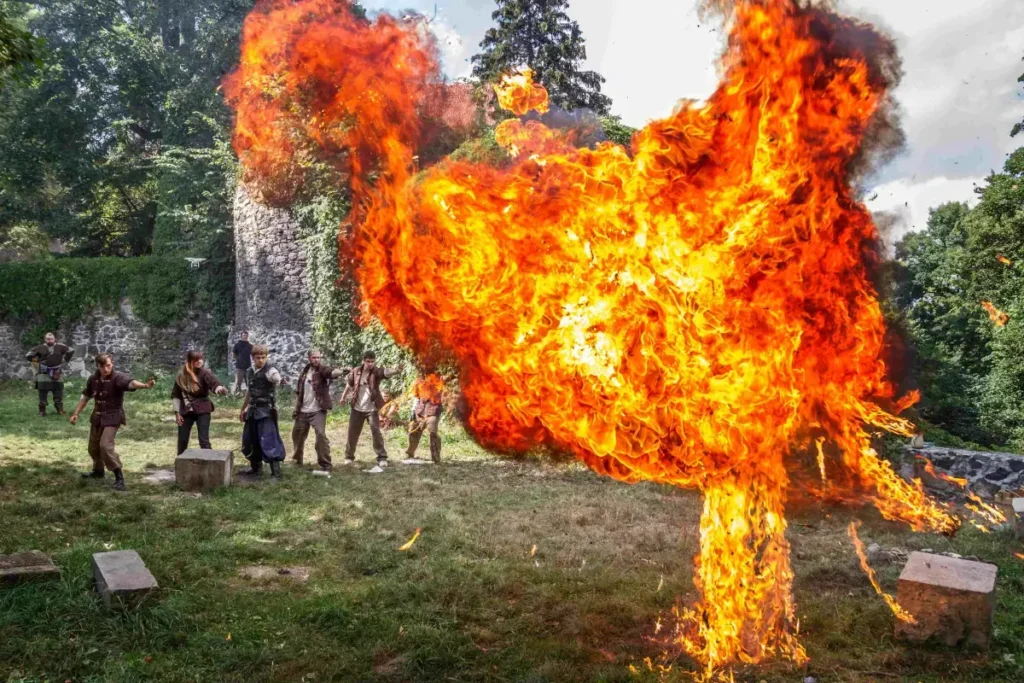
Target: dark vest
{"x":262,"y":392}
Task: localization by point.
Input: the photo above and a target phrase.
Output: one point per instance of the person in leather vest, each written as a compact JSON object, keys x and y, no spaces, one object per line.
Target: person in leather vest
{"x":312,"y":403}
{"x":49,"y":358}
{"x":107,"y":388}
{"x":190,"y":397}
{"x":261,"y":440}
{"x":363,"y":389}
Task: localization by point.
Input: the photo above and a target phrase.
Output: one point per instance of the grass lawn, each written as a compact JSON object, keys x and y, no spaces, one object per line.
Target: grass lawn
{"x":466,"y":603}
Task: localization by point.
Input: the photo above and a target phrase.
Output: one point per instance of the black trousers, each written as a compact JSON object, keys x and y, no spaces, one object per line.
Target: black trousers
{"x":202,"y":423}
{"x":58,"y":394}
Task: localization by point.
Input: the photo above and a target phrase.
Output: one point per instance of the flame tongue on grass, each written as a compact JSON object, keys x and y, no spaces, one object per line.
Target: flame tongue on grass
{"x":697,"y":311}
{"x":901,"y":614}
{"x":997,"y":316}
{"x":408,"y":544}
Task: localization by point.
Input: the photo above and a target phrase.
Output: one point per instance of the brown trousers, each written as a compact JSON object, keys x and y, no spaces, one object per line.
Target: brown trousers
{"x":318,"y":421}
{"x":416,"y":431}
{"x":356,"y":419}
{"x":101,"y":448}
{"x":239,"y":381}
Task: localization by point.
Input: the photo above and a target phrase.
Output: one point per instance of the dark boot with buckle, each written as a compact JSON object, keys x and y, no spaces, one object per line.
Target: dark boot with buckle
{"x":95,"y":474}
{"x":118,"y":480}
{"x":42,"y":410}
{"x":275,"y":469}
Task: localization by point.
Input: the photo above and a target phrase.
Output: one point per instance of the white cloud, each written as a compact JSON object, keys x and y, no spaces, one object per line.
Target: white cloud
{"x":909,"y":201}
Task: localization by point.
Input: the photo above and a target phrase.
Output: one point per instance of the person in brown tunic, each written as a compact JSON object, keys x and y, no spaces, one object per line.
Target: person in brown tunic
{"x":312,"y":403}
{"x":49,"y":357}
{"x":107,"y":388}
{"x":426,"y":416}
{"x":191,"y":399}
{"x":364,"y":389}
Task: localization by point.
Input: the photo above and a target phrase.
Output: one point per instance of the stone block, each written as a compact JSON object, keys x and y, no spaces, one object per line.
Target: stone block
{"x":202,"y":470}
{"x":122,"y":578}
{"x":952,"y":600}
{"x":1018,"y":517}
{"x":25,"y":567}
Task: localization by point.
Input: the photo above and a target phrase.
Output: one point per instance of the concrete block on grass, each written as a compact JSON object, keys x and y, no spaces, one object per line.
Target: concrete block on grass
{"x":24,"y":567}
{"x":122,"y":578}
{"x":203,"y":470}
{"x":952,"y":600}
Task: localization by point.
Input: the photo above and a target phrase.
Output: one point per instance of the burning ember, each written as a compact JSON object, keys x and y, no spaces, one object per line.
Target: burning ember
{"x":1005,"y":261}
{"x":997,"y":316}
{"x":696,"y":311}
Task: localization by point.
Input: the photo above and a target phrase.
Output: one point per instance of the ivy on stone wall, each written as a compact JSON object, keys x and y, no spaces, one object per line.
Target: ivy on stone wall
{"x":48,"y":294}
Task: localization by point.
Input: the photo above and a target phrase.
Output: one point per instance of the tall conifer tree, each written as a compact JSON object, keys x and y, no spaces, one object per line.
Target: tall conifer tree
{"x":539,"y":34}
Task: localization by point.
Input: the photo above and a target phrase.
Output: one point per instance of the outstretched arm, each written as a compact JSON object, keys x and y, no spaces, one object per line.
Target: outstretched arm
{"x":136,"y":384}
{"x":391,"y":372}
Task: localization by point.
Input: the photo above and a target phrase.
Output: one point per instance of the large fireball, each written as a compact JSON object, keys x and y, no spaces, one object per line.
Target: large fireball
{"x":695,"y":311}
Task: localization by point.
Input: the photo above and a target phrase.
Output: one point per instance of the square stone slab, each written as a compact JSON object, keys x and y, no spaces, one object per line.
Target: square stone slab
{"x":122,"y":577}
{"x":203,"y":470}
{"x":25,"y":567}
{"x":1018,"y":517}
{"x":953,"y":600}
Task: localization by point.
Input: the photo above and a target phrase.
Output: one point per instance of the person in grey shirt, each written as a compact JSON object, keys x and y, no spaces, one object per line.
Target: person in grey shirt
{"x":312,"y":403}
{"x":364,"y":390}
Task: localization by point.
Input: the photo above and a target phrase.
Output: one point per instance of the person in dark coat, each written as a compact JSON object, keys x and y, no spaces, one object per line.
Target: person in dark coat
{"x":107,"y":388}
{"x":261,"y":440}
{"x":191,"y":399}
{"x":50,"y":357}
{"x":312,"y":403}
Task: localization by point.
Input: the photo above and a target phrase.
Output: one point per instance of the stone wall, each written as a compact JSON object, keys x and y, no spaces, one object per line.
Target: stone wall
{"x":988,"y":473}
{"x":136,"y":346}
{"x":272,"y":300}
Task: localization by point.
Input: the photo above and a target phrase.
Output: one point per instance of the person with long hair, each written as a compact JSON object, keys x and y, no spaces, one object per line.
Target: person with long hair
{"x":191,"y":399}
{"x":107,"y":388}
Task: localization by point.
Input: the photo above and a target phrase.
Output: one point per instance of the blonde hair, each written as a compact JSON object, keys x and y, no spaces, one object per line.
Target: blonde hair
{"x":187,"y":379}
{"x":260,"y":350}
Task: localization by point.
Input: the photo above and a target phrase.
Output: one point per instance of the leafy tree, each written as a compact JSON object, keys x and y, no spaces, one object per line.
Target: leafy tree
{"x":539,"y":34}
{"x":118,"y":135}
{"x":18,"y":47}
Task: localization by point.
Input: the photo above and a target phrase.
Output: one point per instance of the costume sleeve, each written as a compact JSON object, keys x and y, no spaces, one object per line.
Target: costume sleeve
{"x":123,"y":382}
{"x":68,"y":354}
{"x":33,"y":354}
{"x":388,"y":373}
{"x":211,"y":380}
{"x":90,"y":389}
{"x":176,"y":391}
{"x":274,"y":376}
{"x":351,"y":378}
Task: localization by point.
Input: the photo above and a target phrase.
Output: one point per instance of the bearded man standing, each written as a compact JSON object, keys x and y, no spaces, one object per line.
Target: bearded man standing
{"x":50,"y":358}
{"x":108,"y":388}
{"x":312,"y":403}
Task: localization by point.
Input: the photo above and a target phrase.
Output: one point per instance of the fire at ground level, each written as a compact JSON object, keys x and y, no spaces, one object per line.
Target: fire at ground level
{"x":466,"y":597}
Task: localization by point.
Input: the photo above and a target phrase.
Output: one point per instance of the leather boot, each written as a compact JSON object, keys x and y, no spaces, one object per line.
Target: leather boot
{"x":42,"y":410}
{"x":118,"y":480}
{"x":60,"y":408}
{"x":275,"y":469}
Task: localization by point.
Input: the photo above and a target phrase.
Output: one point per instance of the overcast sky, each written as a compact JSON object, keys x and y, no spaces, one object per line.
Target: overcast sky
{"x":959,"y":93}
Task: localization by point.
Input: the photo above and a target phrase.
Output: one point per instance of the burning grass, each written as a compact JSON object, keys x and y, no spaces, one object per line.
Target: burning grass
{"x":466,"y":602}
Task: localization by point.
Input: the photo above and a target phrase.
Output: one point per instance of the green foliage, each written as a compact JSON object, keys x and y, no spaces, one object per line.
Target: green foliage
{"x":18,"y":47}
{"x":617,"y":131}
{"x":53,"y":293}
{"x":968,"y":367}
{"x":539,"y":34}
{"x":482,"y":150}
{"x":110,"y":137}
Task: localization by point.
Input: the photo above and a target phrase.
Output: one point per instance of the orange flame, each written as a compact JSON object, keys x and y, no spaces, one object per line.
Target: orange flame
{"x":989,"y":513}
{"x":930,"y":469}
{"x":1019,"y":556}
{"x":897,"y":609}
{"x":518,"y":93}
{"x":684,"y":312}
{"x":997,"y":316}
{"x":1005,"y":261}
{"x":428,"y":388}
{"x":408,"y":544}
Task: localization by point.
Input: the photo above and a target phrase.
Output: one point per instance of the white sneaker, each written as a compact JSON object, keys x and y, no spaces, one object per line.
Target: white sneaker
{"x":382,"y":463}
{"x":349,"y":463}
{"x":375,"y":470}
